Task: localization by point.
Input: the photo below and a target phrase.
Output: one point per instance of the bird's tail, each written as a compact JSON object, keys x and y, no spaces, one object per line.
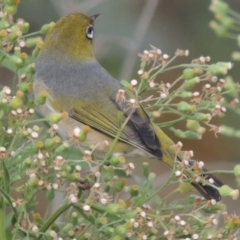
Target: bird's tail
{"x":207,"y":191}
{"x":169,"y":155}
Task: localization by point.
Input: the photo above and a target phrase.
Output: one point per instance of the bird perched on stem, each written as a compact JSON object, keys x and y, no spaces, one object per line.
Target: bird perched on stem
{"x":76,"y":83}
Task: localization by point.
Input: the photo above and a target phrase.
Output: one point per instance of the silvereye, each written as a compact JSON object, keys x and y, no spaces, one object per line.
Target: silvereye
{"x":67,"y":69}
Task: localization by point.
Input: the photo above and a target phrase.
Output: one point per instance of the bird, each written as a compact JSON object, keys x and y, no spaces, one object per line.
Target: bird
{"x":76,"y":83}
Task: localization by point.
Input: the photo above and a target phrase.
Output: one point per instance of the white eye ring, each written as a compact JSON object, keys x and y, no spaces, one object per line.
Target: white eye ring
{"x":89,"y":32}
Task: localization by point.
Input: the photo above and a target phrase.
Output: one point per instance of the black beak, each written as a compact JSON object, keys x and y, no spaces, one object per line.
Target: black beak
{"x":94,"y":17}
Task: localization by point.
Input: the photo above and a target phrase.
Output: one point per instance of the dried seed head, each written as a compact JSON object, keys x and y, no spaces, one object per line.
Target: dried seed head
{"x":121,"y":97}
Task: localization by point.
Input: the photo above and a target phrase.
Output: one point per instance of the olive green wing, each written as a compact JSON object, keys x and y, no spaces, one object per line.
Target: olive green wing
{"x":103,"y":116}
{"x":138,"y":131}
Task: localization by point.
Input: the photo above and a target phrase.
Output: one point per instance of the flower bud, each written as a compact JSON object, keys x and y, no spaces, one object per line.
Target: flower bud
{"x":233,"y":222}
{"x":108,"y":173}
{"x":10,"y":9}
{"x":31,"y":42}
{"x":230,"y":87}
{"x":195,"y":126}
{"x":10,"y":2}
{"x":188,"y":73}
{"x":121,"y":230}
{"x":16,"y":60}
{"x":190,"y":83}
{"x":25,"y":27}
{"x":49,"y":143}
{"x":185,"y":107}
{"x":108,"y":230}
{"x":134,"y":190}
{"x":40,"y":145}
{"x":36,"y":52}
{"x":219,"y":68}
{"x":107,"y":188}
{"x":118,"y":186}
{"x":16,"y":103}
{"x":54,"y":117}
{"x":83,"y":133}
{"x":50,"y":194}
{"x":186,"y":134}
{"x":17,"y":51}
{"x":146,"y":170}
{"x":202,"y":117}
{"x":61,"y":148}
{"x":46,"y":27}
{"x":25,"y":87}
{"x":236,"y":170}
{"x":32,"y":182}
{"x":42,"y":98}
{"x":127,"y":85}
{"x":225,"y":190}
{"x":186,"y":94}
{"x":185,"y":187}
{"x":229,"y":131}
{"x":67,"y":227}
{"x":236,"y":56}
{"x":112,"y":208}
{"x":30,"y":68}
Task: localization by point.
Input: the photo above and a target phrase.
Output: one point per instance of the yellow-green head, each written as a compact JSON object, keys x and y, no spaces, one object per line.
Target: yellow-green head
{"x":71,"y":38}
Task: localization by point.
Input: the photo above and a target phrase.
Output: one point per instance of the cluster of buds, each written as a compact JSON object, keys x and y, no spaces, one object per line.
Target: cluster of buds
{"x":215,"y":129}
{"x":121,"y":96}
{"x":129,"y":167}
{"x":72,"y":192}
{"x":234,"y":103}
{"x":134,"y":84}
{"x":80,"y":134}
{"x":133,"y":103}
{"x":201,"y":60}
{"x":141,"y":223}
{"x":208,"y":89}
{"x":212,"y":221}
{"x":187,"y":155}
{"x":72,"y":198}
{"x":87,"y":155}
{"x":182,"y":53}
{"x":14,"y":38}
{"x":225,"y":23}
{"x":10,"y":33}
{"x":178,"y":146}
{"x":219,"y":110}
{"x":17,"y":203}
{"x":178,"y":222}
{"x":196,"y":98}
{"x":164,"y":90}
{"x":32,"y":133}
{"x":58,"y":163}
{"x":53,"y":129}
{"x":21,"y":114}
{"x":154,"y":54}
{"x":102,"y":197}
{"x":5,"y":95}
{"x":169,"y":234}
{"x":56,"y":117}
{"x":3,"y":152}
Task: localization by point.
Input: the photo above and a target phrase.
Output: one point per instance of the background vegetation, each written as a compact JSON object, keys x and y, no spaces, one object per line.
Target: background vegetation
{"x":125,"y":29}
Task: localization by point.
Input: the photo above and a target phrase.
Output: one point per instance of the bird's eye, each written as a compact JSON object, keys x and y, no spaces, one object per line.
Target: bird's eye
{"x":89,"y":32}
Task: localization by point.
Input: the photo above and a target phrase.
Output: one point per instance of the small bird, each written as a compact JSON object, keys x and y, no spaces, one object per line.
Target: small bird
{"x":68,"y":71}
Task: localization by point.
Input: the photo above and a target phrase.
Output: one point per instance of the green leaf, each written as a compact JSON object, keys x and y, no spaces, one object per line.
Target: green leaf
{"x":6,"y":179}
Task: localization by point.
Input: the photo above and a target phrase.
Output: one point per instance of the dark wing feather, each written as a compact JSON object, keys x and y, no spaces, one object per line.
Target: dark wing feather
{"x":138,"y":132}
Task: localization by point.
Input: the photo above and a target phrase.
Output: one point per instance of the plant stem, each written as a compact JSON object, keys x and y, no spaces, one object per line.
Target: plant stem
{"x":49,"y":222}
{"x":108,"y":154}
{"x":2,"y":220}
